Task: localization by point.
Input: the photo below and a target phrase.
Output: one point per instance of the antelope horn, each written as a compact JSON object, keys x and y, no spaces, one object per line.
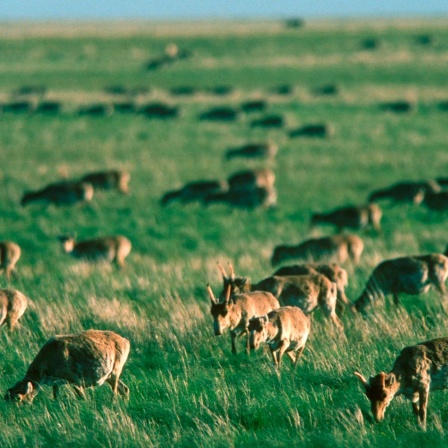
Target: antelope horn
{"x":232,"y":272}
{"x":210,"y":293}
{"x":223,"y":272}
{"x":362,"y":379}
{"x":229,"y":289}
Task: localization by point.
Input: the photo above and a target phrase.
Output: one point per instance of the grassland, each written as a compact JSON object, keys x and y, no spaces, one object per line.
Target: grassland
{"x":186,"y":387}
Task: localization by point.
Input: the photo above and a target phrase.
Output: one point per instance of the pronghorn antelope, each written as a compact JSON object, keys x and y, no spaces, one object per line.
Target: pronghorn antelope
{"x":351,"y":217}
{"x":9,"y":255}
{"x":108,"y":180}
{"x":411,"y":275}
{"x":245,"y":198}
{"x":61,"y":193}
{"x":253,"y":150}
{"x":410,"y":191}
{"x":194,"y":191}
{"x":12,"y":306}
{"x":236,"y":311}
{"x":251,"y":179}
{"x":86,"y":359}
{"x":339,"y":248}
{"x":418,"y":370}
{"x":285,"y":330}
{"x":111,"y":248}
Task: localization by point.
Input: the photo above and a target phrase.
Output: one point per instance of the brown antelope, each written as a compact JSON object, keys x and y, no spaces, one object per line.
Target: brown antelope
{"x":61,"y":193}
{"x":410,"y":191}
{"x":285,"y":330}
{"x":9,"y":255}
{"x":351,"y":217}
{"x":194,"y":191}
{"x":253,"y":150}
{"x":87,"y":359}
{"x":410,"y":275}
{"x":245,"y":198}
{"x":109,"y":180}
{"x":236,"y":311}
{"x":418,"y":370}
{"x":436,"y":201}
{"x":111,"y":249}
{"x":332,"y":271}
{"x":12,"y":306}
{"x":306,"y":292}
{"x":339,"y":248}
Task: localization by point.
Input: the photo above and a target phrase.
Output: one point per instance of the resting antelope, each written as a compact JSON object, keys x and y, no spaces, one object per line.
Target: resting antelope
{"x":61,"y":193}
{"x":285,"y":330}
{"x":194,"y":191}
{"x":245,"y":198}
{"x":111,"y":249}
{"x":410,"y":191}
{"x":9,"y":255}
{"x":307,"y":292}
{"x":86,"y":359}
{"x":236,"y":311}
{"x":351,"y":217}
{"x":12,"y":306}
{"x":418,"y":370}
{"x":108,"y":180}
{"x":410,"y":275}
{"x":339,"y":248}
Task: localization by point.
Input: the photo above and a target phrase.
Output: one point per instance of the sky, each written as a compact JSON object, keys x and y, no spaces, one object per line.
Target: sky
{"x":12,"y":10}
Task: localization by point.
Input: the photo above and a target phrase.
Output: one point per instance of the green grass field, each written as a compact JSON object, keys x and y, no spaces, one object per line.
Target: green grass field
{"x":186,"y":387}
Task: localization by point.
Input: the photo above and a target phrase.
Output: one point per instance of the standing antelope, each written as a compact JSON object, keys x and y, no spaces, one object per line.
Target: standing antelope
{"x":194,"y":191}
{"x":351,"y":217}
{"x":111,"y":249}
{"x":252,"y":150}
{"x":86,"y":359}
{"x":411,"y":275}
{"x":109,"y":180}
{"x":61,"y":193}
{"x":245,"y":198}
{"x":236,"y":311}
{"x":410,"y":191}
{"x":285,"y":330}
{"x":418,"y":370}
{"x":12,"y":306}
{"x":251,"y":179}
{"x":9,"y":255}
{"x":338,"y":247}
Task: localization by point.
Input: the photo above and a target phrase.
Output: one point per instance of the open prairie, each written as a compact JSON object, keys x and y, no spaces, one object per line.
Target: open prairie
{"x":186,"y":387}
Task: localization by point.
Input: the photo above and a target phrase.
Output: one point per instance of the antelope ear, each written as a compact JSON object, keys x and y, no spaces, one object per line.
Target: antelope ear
{"x":29,"y":388}
{"x":361,"y":378}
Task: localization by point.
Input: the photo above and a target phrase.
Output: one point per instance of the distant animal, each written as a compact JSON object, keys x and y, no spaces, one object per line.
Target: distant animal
{"x":332,"y":271}
{"x":253,"y":150}
{"x":418,"y":370}
{"x":220,"y":114}
{"x":254,"y":106}
{"x":351,"y":217}
{"x":108,"y":180}
{"x":320,"y":130}
{"x":19,"y":107}
{"x":159,"y":111}
{"x":183,"y":90}
{"x":220,"y":90}
{"x":425,"y":39}
{"x":307,"y":292}
{"x":270,"y":121}
{"x":250,"y":179}
{"x":283,"y":89}
{"x":48,"y":107}
{"x":248,"y":198}
{"x":410,"y":275}
{"x":194,"y":191}
{"x":87,"y":359}
{"x":9,"y":255}
{"x":12,"y":306}
{"x":436,"y":201}
{"x":370,"y":43}
{"x":295,"y":22}
{"x":96,"y":110}
{"x":61,"y":193}
{"x":110,"y":249}
{"x":234,"y":312}
{"x":407,"y":191}
{"x":284,"y":329}
{"x":398,"y":106}
{"x":327,"y":89}
{"x":339,"y":248}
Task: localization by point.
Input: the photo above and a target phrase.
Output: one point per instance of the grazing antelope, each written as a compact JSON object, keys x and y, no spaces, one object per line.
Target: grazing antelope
{"x":410,"y":191}
{"x":418,"y":370}
{"x":236,"y":311}
{"x":109,"y":180}
{"x":9,"y":255}
{"x":245,"y":198}
{"x":111,"y":248}
{"x":194,"y":191}
{"x":61,"y":193}
{"x":253,"y":150}
{"x":411,"y":275}
{"x":340,"y":248}
{"x":251,"y":179}
{"x":436,"y":201}
{"x":332,"y":271}
{"x":285,"y":330}
{"x":306,"y":292}
{"x":351,"y":217}
{"x":86,"y":359}
{"x":12,"y":306}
